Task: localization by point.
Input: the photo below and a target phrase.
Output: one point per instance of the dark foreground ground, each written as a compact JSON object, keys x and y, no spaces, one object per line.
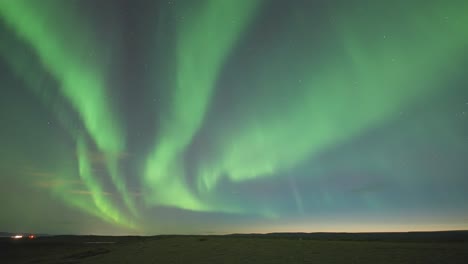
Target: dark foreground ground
{"x":439,"y":247}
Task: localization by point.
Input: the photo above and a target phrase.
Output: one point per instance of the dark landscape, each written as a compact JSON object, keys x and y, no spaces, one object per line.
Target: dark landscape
{"x":412,"y":247}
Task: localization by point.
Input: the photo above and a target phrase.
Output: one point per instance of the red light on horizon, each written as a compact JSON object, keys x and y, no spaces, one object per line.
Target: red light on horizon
{"x":31,"y":236}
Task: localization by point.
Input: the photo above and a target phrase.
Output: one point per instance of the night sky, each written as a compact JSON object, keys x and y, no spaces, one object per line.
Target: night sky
{"x":223,"y":116}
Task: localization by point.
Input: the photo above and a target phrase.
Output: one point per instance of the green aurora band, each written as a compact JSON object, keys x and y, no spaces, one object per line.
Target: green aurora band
{"x":204,"y":40}
{"x":81,"y":80}
{"x":103,"y":204}
{"x":377,"y":61}
{"x":345,"y":97}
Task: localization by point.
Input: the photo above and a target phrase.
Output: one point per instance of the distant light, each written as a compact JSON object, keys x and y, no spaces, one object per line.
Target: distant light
{"x":17,"y":237}
{"x":31,"y":236}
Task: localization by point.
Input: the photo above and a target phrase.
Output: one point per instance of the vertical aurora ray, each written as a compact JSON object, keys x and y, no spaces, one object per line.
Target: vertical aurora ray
{"x":205,"y":36}
{"x":353,"y":90}
{"x":103,"y":204}
{"x":65,"y":48}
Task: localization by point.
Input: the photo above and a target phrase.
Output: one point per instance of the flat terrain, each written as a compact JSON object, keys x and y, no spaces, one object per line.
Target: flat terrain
{"x":275,"y":248}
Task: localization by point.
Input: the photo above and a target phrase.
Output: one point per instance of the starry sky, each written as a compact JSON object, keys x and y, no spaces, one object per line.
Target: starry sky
{"x":223,"y":116}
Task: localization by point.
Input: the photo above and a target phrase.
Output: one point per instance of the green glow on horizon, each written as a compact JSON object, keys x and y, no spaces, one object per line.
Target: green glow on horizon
{"x":204,"y":40}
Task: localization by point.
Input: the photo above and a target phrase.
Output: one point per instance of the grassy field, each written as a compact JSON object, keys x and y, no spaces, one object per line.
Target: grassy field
{"x":231,"y":249}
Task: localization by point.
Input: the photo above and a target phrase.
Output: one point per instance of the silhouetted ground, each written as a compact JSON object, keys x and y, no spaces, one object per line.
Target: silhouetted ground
{"x":423,"y":247}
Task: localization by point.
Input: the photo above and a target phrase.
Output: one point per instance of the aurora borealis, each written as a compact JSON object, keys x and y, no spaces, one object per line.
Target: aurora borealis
{"x":223,"y":116}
